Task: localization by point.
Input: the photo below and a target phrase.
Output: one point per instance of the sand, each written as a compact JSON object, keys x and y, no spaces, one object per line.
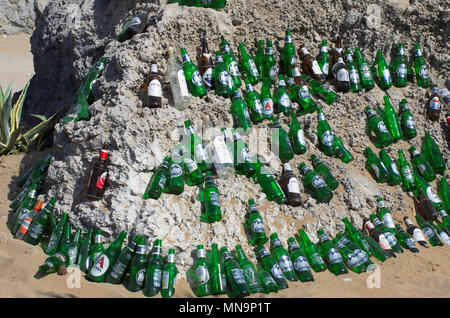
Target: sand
{"x":426,"y":274}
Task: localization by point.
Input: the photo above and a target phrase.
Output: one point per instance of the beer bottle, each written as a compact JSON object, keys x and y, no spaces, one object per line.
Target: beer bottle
{"x":158,"y":181}
{"x":197,"y":148}
{"x":290,"y":186}
{"x":281,"y":143}
{"x":415,"y":232}
{"x":322,"y":58}
{"x":153,"y":89}
{"x":430,"y":233}
{"x":24,"y":208}
{"x":269,"y":64}
{"x":74,"y":248}
{"x":249,"y":271}
{"x":432,"y":153}
{"x":202,"y":276}
{"x":178,"y":85}
{"x":132,"y":27}
{"x":382,"y":71}
{"x":138,"y":267}
{"x":120,"y":267}
{"x":310,"y":64}
{"x":378,"y":237}
{"x":324,"y":134}
{"x":434,"y":105}
{"x":408,"y":181}
{"x":266,"y":99}
{"x":268,"y":283}
{"x":405,"y":239}
{"x":366,"y":263}
{"x":105,"y":261}
{"x":55,"y":263}
{"x":282,"y":100}
{"x":444,"y":95}
{"x":315,"y":182}
{"x":399,"y":68}
{"x":288,"y":55}
{"x":248,"y":65}
{"x":255,"y":224}
{"x":315,"y":260}
{"x":420,"y":68}
{"x":407,"y":121}
{"x":66,"y":238}
{"x":421,"y":164}
{"x":217,"y":272}
{"x":376,"y":166}
{"x":154,"y":271}
{"x":253,"y":101}
{"x":169,"y":276}
{"x":240,"y":113}
{"x":235,"y":275}
{"x":206,"y":66}
{"x":193,"y":77}
{"x":357,"y":237}
{"x":55,"y":237}
{"x":40,"y":223}
{"x":365,"y":74}
{"x":336,"y":52}
{"x":323,"y":170}
{"x":331,"y":254}
{"x":221,"y":155}
{"x":259,"y":58}
{"x":299,"y":92}
{"x":439,"y":228}
{"x":282,"y":256}
{"x":443,"y":190}
{"x":28,"y":218}
{"x":355,"y":82}
{"x":297,"y":136}
{"x":377,"y":250}
{"x":426,"y":206}
{"x":340,"y":72}
{"x":391,"y":166}
{"x":391,"y":120}
{"x":193,"y":174}
{"x":223,"y":83}
{"x":384,"y":214}
{"x":353,"y":262}
{"x":230,"y":62}
{"x":269,"y":264}
{"x":34,"y":172}
{"x":341,"y":151}
{"x":97,"y":248}
{"x":85,"y":93}
{"x":98,"y":177}
{"x":321,"y":90}
{"x":376,"y":125}
{"x":83,"y":256}
{"x":243,"y":163}
{"x":175,"y":184}
{"x":301,"y":265}
{"x":428,"y":190}
{"x":268,"y":184}
{"x":388,"y":233}
{"x":445,"y":224}
{"x":210,"y":198}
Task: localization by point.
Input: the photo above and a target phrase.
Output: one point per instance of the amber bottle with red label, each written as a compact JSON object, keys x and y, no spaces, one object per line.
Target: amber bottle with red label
{"x":99,"y":176}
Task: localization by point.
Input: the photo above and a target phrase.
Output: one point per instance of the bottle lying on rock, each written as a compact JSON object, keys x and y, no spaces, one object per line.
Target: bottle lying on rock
{"x":270,"y":264}
{"x":255,"y":225}
{"x":158,"y":181}
{"x":193,"y":77}
{"x":133,"y":27}
{"x":391,"y":167}
{"x":312,"y":252}
{"x":323,"y":170}
{"x":250,"y":274}
{"x":331,"y":254}
{"x":315,"y":182}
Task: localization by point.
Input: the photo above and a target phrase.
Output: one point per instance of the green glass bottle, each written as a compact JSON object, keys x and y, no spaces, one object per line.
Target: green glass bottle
{"x":320,"y":89}
{"x":55,"y":263}
{"x":382,"y":71}
{"x":439,"y":229}
{"x":445,"y":221}
{"x":388,"y":233}
{"x":193,"y":77}
{"x":196,"y":146}
{"x":74,"y":248}
{"x":421,"y":164}
{"x":431,"y":152}
{"x":406,"y":121}
{"x":269,"y":64}
{"x":379,"y":238}
{"x":420,"y":68}
{"x":66,"y":238}
{"x":282,"y":100}
{"x":341,"y":151}
{"x":408,"y":180}
{"x":240,"y":114}
{"x":202,"y":276}
{"x":323,"y":170}
{"x":105,"y":261}
{"x":297,"y":136}
{"x":269,"y":284}
{"x":399,"y":68}
{"x":230,"y":62}
{"x":316,"y":183}
{"x":423,"y":185}
{"x":34,"y":172}
{"x":253,"y":101}
{"x":391,"y":167}
{"x":365,"y":74}
{"x":301,"y":265}
{"x":132,"y":27}
{"x":138,"y":267}
{"x":322,"y":58}
{"x":210,"y":198}
{"x":40,"y":223}
{"x":281,"y":145}
{"x":235,"y":276}
{"x":357,"y":237}
{"x":55,"y":238}
{"x":158,"y":181}
{"x":430,"y":233}
{"x":268,"y":184}
{"x":223,"y":82}
{"x":384,"y":214}
{"x":83,"y":256}
{"x":312,"y":253}
{"x":121,"y":266}
{"x":255,"y":224}
{"x":259,"y":58}
{"x":243,"y":163}
{"x":363,"y":257}
{"x":331,"y":254}
{"x":405,"y":239}
{"x":391,"y":120}
{"x":376,"y":166}
{"x":248,"y":65}
{"x":175,"y":182}
{"x":24,"y":208}
{"x":378,"y":251}
{"x":288,"y":54}
{"x":97,"y":248}
{"x":250,"y":274}
{"x":217,"y":272}
{"x":443,"y":190}
{"x":376,"y":125}
{"x":169,"y":278}
{"x":324,"y":134}
{"x":353,"y":262}
{"x":299,"y":93}
{"x":193,"y":174}
{"x":266,"y":99}
{"x":282,"y":256}
{"x":269,"y":263}
{"x":153,"y":275}
{"x":355,"y":82}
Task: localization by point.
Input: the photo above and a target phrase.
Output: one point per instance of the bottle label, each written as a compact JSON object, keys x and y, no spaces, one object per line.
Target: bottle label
{"x":320,"y":116}
{"x":327,"y":138}
{"x":207,"y":77}
{"x":325,"y":68}
{"x":135,"y":21}
{"x":402,"y":71}
{"x":225,"y":78}
{"x":246,"y":154}
{"x":202,"y":275}
{"x":238,"y":275}
{"x":118,"y":270}
{"x":303,"y":92}
{"x":382,"y":127}
{"x":154,"y":88}
{"x":408,"y":174}
{"x":162,"y":182}
{"x":410,"y":123}
{"x":251,"y":275}
{"x":36,"y":230}
{"x":394,"y":168}
{"x":353,"y":260}
{"x":365,"y":70}
{"x":258,"y":226}
{"x":316,"y":258}
{"x":233,"y":68}
{"x":334,"y":256}
{"x":342,"y":75}
{"x":273,"y":72}
{"x":197,"y":78}
{"x":284,"y":101}
{"x":215,"y":198}
{"x":433,"y":196}
{"x":72,"y":252}
{"x":268,"y":107}
{"x":418,"y":235}
{"x":388,"y":220}
{"x":52,"y":241}
{"x":257,"y":106}
{"x":61,"y":257}
{"x":442,"y":213}
{"x":165,"y":280}
{"x":375,"y":170}
{"x":140,"y":276}
{"x":295,"y":72}
{"x":190,"y":165}
{"x":410,"y":243}
{"x":286,"y":263}
{"x":444,"y":236}
{"x":269,"y":50}
{"x":390,"y":238}
{"x":101,"y":180}
{"x":100,"y":266}
{"x":384,"y":242}
{"x":276,"y":271}
{"x":318,"y":182}
{"x":253,"y":70}
{"x":301,"y":137}
{"x":423,"y":72}
{"x":387,"y":76}
{"x":354,"y":76}
{"x":293,"y":186}
{"x":246,"y":114}
{"x":200,"y":153}
{"x":324,"y":238}
{"x":301,"y":264}
{"x":182,"y":84}
{"x":293,"y":60}
{"x":363,"y":257}
{"x":429,"y":232}
{"x":175,"y":170}
{"x":435,"y":104}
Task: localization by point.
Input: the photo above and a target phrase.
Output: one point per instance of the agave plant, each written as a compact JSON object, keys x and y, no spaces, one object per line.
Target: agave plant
{"x":12,"y":139}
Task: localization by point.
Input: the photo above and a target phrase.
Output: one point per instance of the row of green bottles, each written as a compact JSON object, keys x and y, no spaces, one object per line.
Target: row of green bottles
{"x":214,"y":4}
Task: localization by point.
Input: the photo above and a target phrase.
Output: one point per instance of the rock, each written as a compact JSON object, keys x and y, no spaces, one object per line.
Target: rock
{"x":20,"y":16}
{"x":373,"y":16}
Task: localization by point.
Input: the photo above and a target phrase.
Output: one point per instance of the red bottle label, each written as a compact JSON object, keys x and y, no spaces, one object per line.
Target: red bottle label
{"x":101,"y":181}
{"x":104,"y":154}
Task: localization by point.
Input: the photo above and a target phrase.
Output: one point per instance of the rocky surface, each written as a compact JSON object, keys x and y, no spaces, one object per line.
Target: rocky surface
{"x":67,"y":42}
{"x":20,"y":16}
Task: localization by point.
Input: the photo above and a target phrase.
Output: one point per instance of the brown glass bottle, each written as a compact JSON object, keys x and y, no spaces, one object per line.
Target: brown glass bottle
{"x":434,"y":105}
{"x":378,"y":236}
{"x":336,"y":52}
{"x":298,"y":79}
{"x":153,"y":88}
{"x":310,"y":64}
{"x":98,"y":178}
{"x":427,"y":209}
{"x":206,"y":66}
{"x":290,"y":186}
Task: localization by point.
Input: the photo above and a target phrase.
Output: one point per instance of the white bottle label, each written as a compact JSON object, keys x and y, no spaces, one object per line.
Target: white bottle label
{"x":318,"y":182}
{"x":418,"y":235}
{"x":387,"y":75}
{"x":202,"y":275}
{"x":286,"y":264}
{"x":410,"y":123}
{"x":100,"y":267}
{"x":238,"y":276}
{"x":354,"y":76}
{"x":154,"y":88}
{"x":182,"y":83}
{"x":190,"y":165}
{"x":258,"y":226}
{"x":327,"y":138}
{"x":388,"y":220}
{"x":343,"y":76}
{"x":325,"y":68}
{"x":429,"y":232}
{"x":390,"y":238}
{"x":334,"y":256}
{"x":304,"y":93}
{"x":394,"y":168}
{"x":433,"y":196}
{"x":384,"y":242}
{"x":197,"y":78}
{"x":273,"y":72}
{"x":410,"y":243}
{"x":316,"y":68}
{"x":444,"y":236}
{"x":252,"y":68}
{"x":233,"y":68}
{"x":268,"y":107}
{"x":276,"y":271}
{"x":175,"y":170}
{"x":382,"y":127}
{"x":301,"y":137}
{"x":257,"y":106}
{"x":366,"y":74}
{"x":285,"y":101}
{"x":402,"y":71}
{"x":301,"y":264}
{"x":423,"y":72}
{"x":435,"y":104}
{"x":214,"y":196}
{"x":293,"y":186}
{"x":207,"y":77}
{"x":165,"y":280}
{"x":408,"y":174}
{"x":162,"y":181}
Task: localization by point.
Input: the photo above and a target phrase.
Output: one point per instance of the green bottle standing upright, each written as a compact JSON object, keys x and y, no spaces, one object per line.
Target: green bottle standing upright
{"x":40,"y":223}
{"x":74,"y":248}
{"x":391,"y":120}
{"x":391,"y":167}
{"x":297,"y":136}
{"x":430,"y":233}
{"x":249,"y":271}
{"x":268,"y":184}
{"x":282,"y":100}
{"x":193,"y":77}
{"x":169,"y":277}
{"x":105,"y":261}
{"x":282,"y":256}
{"x":235,"y":276}
{"x":55,"y":237}
{"x":420,"y":68}
{"x":376,"y":124}
{"x":353,"y":262}
{"x":315,"y":182}
{"x":255,"y":224}
{"x":253,"y":101}
{"x":210,"y":198}
{"x":269,"y":284}
{"x":405,"y":239}
{"x":281,"y":145}
{"x":202,"y":276}
{"x":230,"y":62}
{"x":323,"y":170}
{"x":158,"y":181}
{"x":138,"y":267}
{"x":301,"y":265}
{"x":375,"y":165}
{"x":433,"y":155}
{"x":270,"y":264}
{"x":315,"y":260}
{"x":408,"y":181}
{"x":97,"y":248}
{"x":120,"y":267}
{"x":223,"y":82}
{"x":407,"y":121}
{"x":331,"y":254}
{"x":355,"y":81}
{"x":382,"y":71}
{"x":217,"y":272}
{"x":388,"y":233}
{"x":269,"y":64}
{"x":83,"y":256}
{"x":421,"y":164}
{"x":322,"y":58}
{"x":324,"y":134}
{"x":248,"y":65}
{"x":399,"y":69}
{"x":288,"y":54}
{"x":240,"y":114}
{"x":365,"y":74}
{"x":24,"y":208}
{"x":266,"y":99}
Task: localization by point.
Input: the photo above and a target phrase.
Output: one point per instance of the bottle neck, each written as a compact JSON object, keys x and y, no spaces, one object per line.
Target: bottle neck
{"x":154,"y":69}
